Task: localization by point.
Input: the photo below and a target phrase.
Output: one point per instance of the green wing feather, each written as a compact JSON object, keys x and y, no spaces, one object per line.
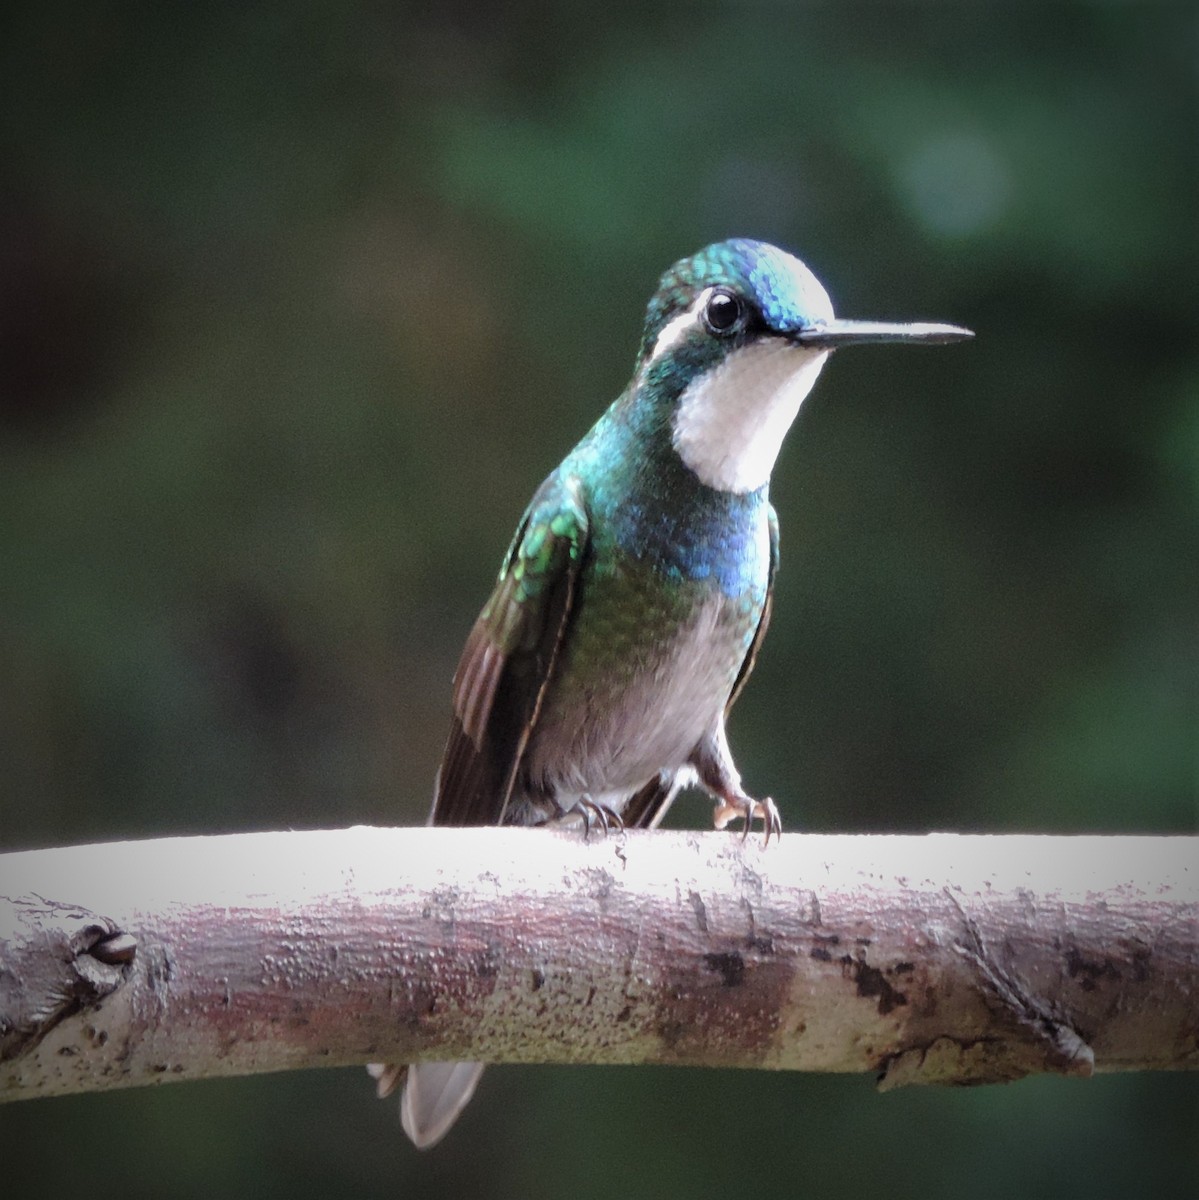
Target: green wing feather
{"x":509,"y":658}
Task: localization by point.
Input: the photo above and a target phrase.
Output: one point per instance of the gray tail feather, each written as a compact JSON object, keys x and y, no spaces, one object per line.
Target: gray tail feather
{"x":434,"y":1094}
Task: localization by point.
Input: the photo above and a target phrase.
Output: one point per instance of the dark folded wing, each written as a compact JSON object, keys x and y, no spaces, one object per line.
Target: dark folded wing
{"x":648,"y":806}
{"x":764,"y":621}
{"x":509,"y":658}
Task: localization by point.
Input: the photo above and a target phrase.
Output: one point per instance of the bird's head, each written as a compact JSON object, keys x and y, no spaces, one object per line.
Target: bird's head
{"x":734,"y":339}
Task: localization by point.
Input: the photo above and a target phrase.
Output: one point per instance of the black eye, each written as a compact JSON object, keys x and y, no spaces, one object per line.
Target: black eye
{"x":724,"y":312}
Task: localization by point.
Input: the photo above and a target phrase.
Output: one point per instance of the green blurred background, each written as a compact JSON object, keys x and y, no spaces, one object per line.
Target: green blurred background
{"x":300,"y":301}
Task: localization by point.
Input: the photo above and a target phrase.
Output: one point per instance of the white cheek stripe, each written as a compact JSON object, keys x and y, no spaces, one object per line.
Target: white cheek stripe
{"x":676,"y":328}
{"x":730,"y":422}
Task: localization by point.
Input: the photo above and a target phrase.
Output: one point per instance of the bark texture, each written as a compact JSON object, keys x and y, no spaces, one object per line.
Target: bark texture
{"x":937,"y":959}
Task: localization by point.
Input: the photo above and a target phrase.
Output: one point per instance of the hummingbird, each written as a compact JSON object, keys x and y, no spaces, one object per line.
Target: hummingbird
{"x":633,"y":599}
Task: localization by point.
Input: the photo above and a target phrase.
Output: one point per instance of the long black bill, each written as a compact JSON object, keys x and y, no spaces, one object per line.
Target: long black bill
{"x":829,"y":335}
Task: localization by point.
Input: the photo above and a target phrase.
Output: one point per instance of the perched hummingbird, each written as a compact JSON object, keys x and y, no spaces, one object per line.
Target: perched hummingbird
{"x":634,"y":597}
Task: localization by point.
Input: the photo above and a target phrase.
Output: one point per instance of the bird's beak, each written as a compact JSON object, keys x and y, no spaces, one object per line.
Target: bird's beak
{"x":829,"y":335}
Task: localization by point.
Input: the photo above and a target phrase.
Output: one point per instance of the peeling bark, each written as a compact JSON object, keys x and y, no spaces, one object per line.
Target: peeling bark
{"x":938,"y":959}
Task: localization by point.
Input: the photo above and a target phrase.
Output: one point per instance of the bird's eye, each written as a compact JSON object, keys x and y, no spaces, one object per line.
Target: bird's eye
{"x":724,"y":312}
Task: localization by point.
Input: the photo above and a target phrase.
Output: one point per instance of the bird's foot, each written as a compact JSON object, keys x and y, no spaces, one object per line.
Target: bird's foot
{"x":594,"y":815}
{"x":749,"y":810}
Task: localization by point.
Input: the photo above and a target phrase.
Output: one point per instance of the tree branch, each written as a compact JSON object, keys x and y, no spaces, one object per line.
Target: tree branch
{"x":926,"y":959}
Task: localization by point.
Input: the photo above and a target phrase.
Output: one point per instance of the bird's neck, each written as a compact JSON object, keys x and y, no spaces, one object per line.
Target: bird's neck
{"x":647,"y":503}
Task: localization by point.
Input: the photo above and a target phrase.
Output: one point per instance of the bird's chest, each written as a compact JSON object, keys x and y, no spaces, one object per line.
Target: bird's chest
{"x":658,"y":636}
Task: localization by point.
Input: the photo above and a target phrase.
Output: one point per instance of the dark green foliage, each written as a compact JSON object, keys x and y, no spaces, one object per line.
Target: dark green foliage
{"x":298,"y":304}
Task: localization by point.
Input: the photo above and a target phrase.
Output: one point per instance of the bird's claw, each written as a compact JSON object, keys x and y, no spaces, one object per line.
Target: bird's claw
{"x":746,"y":809}
{"x":593,"y":814}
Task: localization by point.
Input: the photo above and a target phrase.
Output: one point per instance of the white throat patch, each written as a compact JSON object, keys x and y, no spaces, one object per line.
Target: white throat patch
{"x":730,"y":422}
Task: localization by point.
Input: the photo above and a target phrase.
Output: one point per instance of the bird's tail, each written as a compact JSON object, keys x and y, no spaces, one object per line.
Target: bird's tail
{"x":434,"y":1094}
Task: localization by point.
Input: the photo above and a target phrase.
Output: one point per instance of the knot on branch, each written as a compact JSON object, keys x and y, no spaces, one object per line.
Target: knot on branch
{"x":56,"y":960}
